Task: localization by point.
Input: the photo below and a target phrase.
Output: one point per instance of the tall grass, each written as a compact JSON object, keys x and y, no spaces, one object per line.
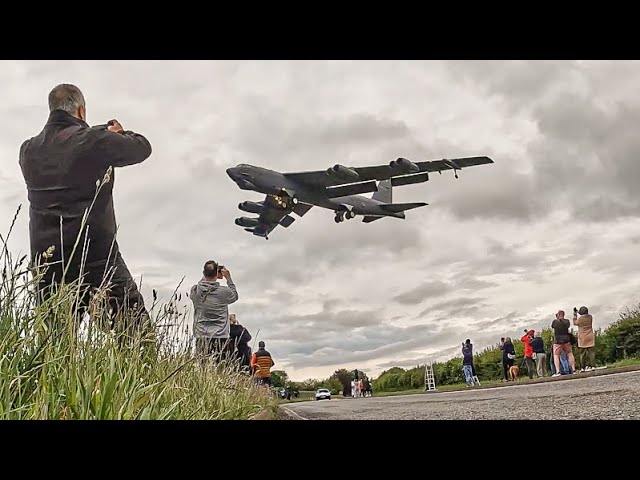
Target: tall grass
{"x":53,"y":365}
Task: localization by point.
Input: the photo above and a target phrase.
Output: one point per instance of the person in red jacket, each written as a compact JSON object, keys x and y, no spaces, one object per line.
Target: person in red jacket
{"x":528,"y":352}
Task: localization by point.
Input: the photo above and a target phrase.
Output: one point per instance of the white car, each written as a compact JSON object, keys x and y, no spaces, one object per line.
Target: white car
{"x":322,"y":394}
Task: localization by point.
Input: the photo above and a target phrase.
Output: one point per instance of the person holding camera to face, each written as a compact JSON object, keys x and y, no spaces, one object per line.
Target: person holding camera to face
{"x":528,"y":352}
{"x":562,"y":342}
{"x":586,"y":338}
{"x":211,"y":312}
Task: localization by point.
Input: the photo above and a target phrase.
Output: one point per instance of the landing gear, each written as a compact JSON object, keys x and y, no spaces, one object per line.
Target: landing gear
{"x":342,"y":214}
{"x":285,"y":201}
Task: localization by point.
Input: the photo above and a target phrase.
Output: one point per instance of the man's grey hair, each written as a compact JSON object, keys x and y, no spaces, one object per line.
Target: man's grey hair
{"x":66,"y":97}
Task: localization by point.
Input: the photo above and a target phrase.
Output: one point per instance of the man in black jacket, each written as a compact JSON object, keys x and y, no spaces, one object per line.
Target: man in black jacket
{"x":240,"y":337}
{"x":540,"y":355}
{"x":68,"y":170}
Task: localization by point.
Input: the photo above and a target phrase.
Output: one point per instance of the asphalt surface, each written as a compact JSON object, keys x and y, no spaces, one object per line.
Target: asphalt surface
{"x":607,"y":397}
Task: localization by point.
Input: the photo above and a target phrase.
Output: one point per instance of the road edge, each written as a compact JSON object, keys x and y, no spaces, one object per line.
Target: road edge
{"x":562,"y":378}
{"x":288,"y":414}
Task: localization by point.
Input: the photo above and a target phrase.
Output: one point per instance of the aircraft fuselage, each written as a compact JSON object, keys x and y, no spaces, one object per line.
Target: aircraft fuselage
{"x":269,"y":182}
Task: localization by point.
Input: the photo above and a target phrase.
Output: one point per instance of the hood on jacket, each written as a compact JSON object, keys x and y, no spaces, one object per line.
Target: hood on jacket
{"x":204,"y":287}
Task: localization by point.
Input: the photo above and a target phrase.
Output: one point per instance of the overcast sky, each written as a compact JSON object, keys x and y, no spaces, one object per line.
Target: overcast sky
{"x":552,"y":224}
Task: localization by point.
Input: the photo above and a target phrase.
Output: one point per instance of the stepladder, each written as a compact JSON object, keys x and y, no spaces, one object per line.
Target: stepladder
{"x":429,"y":378}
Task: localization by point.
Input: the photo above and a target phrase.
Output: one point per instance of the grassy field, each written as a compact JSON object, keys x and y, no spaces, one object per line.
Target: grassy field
{"x":52,"y":369}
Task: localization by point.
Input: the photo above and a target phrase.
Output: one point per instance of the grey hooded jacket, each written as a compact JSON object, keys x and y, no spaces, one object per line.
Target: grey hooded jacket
{"x":210,"y":311}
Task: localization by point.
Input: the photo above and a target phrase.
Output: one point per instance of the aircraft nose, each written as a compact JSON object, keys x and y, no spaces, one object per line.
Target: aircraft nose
{"x":232,"y":172}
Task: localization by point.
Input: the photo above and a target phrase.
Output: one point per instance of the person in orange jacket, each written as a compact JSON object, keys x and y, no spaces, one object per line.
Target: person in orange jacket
{"x":528,"y":352}
{"x":261,"y":363}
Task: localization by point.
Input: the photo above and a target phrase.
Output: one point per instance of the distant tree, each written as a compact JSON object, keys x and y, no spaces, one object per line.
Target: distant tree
{"x":344,"y":377}
{"x":334,"y":385}
{"x":310,"y":384}
{"x":279,"y":378}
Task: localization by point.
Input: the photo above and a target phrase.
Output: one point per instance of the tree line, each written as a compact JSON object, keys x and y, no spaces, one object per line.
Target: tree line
{"x":620,"y":340}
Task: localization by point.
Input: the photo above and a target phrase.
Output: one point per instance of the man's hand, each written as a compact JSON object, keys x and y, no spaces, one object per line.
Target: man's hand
{"x":114,"y":126}
{"x":226,"y":274}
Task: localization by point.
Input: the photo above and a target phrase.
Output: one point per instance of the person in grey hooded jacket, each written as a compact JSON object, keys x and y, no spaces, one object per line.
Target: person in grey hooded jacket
{"x":211,"y":313}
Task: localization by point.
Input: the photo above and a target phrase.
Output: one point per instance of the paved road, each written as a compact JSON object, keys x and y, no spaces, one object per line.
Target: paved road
{"x":613,"y":396}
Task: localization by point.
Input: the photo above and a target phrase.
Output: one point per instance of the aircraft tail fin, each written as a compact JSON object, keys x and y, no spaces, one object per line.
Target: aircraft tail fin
{"x":401,"y":207}
{"x":384,"y":193}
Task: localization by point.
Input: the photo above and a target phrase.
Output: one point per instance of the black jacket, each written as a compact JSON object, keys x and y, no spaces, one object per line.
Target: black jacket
{"x":538,"y":345}
{"x":240,"y":338}
{"x":561,"y":331}
{"x":239,"y":335}
{"x":507,"y":348}
{"x":467,"y":354}
{"x":60,"y":167}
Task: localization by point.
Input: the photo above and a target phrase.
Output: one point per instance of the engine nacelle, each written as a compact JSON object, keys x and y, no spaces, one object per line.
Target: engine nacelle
{"x":247,"y":222}
{"x":251,"y":207}
{"x":403,"y":165}
{"x":343,"y":173}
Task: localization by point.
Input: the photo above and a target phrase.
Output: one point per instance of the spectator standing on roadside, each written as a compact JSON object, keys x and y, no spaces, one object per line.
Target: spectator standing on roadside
{"x":586,"y":338}
{"x":508,"y":356}
{"x":562,"y":342}
{"x":467,"y":362}
{"x":528,"y":351}
{"x":537,"y":344}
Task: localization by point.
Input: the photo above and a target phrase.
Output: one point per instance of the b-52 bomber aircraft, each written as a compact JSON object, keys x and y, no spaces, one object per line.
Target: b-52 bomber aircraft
{"x":338,"y":188}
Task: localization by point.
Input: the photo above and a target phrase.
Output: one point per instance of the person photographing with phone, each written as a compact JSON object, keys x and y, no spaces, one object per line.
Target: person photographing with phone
{"x":586,"y":338}
{"x":562,"y":342}
{"x":210,"y":300}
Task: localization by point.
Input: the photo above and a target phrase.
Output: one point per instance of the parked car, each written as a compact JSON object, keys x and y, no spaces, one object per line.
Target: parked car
{"x":323,"y":393}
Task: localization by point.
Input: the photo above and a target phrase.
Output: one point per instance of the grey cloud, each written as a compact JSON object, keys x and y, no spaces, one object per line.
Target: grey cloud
{"x":618,"y":260}
{"x":456,"y":303}
{"x":522,"y":82}
{"x":411,"y":340}
{"x":463,"y":281}
{"x":582,"y":141}
{"x":361,"y":127}
{"x":510,"y":319}
{"x":383,"y":241}
{"x":423,"y":292}
{"x":347,"y":332}
{"x":455,"y":308}
{"x":481,"y":198}
{"x":601,"y":209}
{"x":502,"y":258}
{"x":453,"y":312}
{"x":402,"y":362}
{"x":311,"y":331}
{"x":584,"y":153}
{"x":271,"y":132}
